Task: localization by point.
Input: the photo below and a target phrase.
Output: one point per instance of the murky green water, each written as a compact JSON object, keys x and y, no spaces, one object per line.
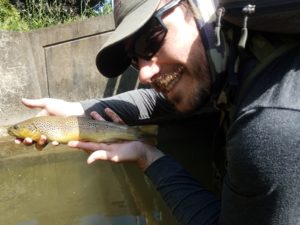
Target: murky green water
{"x":57,"y":187}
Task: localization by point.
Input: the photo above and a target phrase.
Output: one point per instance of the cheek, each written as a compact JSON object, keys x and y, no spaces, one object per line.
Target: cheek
{"x":175,"y":49}
{"x":180,"y":46}
{"x":189,"y":84}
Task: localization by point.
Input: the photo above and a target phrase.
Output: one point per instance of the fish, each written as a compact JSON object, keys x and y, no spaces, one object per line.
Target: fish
{"x":79,"y":128}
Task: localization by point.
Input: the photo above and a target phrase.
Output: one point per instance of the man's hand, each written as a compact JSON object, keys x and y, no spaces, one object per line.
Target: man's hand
{"x":54,"y":107}
{"x":131,"y":151}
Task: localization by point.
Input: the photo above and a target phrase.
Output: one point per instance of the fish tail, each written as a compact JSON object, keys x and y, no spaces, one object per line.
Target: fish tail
{"x":148,"y":133}
{"x":151,"y":130}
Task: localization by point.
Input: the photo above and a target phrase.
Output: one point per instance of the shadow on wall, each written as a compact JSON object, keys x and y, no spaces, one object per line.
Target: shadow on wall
{"x":128,"y":81}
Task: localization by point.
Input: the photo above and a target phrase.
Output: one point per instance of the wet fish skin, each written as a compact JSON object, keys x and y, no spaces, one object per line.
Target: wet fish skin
{"x":65,"y":129}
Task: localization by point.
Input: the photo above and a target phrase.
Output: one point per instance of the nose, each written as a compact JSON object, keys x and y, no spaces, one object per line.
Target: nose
{"x":148,"y":68}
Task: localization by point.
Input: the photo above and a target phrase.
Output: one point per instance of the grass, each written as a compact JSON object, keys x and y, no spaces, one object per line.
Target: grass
{"x":44,"y":13}
{"x":10,"y":18}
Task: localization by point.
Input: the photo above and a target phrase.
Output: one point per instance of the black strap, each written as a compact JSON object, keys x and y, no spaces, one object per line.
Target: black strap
{"x":246,"y":84}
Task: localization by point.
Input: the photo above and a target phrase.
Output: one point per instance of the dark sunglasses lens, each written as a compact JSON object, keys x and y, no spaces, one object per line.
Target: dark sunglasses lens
{"x":150,"y":39}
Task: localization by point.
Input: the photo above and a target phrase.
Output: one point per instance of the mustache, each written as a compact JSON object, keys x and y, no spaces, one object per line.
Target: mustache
{"x":164,"y":82}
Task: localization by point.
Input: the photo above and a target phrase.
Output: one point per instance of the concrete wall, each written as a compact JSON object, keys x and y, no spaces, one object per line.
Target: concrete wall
{"x":18,"y":74}
{"x":57,"y":62}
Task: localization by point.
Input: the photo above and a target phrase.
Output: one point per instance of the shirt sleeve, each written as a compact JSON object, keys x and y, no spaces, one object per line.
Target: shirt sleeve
{"x":134,"y":107}
{"x":189,"y":202}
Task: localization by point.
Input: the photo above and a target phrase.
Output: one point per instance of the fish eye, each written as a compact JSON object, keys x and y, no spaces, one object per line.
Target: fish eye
{"x":16,"y":126}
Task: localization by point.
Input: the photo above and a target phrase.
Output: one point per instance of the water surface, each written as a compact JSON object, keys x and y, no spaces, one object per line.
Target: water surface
{"x":57,"y":187}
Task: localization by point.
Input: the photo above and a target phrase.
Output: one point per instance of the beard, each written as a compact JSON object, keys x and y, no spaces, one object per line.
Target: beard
{"x":196,"y":86}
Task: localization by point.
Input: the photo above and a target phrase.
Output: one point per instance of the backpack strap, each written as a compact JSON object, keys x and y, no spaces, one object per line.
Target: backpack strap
{"x":264,"y":62}
{"x":229,"y":98}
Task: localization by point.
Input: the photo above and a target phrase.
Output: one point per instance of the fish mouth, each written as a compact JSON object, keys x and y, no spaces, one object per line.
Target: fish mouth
{"x":165,"y":82}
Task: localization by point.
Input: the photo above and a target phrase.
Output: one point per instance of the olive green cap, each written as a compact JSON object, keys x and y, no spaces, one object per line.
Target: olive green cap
{"x":130,"y":16}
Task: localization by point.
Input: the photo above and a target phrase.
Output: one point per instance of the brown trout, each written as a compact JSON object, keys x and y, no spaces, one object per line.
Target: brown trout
{"x":72,"y":128}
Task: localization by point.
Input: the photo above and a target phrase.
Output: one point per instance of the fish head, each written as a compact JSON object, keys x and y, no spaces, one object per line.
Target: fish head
{"x":24,"y":130}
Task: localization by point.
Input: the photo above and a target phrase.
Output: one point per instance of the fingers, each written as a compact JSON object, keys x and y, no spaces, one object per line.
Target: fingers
{"x":103,"y":155}
{"x":42,"y":140}
{"x":55,"y":143}
{"x":93,"y":149}
{"x":43,"y":112}
{"x":26,"y":141}
{"x":114,"y":116}
{"x":110,"y":113}
{"x":96,"y":116}
{"x":34,"y":103}
{"x":37,"y":103}
{"x":18,"y":141}
{"x":97,"y":155}
{"x":91,"y":146}
{"x":40,"y":144}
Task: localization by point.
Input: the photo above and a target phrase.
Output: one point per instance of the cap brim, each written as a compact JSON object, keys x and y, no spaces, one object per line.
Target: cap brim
{"x":112,"y":59}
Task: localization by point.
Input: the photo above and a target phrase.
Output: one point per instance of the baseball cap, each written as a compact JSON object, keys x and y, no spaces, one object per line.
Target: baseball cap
{"x":130,"y":16}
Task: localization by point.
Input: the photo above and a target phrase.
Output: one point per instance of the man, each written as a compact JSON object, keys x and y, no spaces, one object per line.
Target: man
{"x":172,"y":46}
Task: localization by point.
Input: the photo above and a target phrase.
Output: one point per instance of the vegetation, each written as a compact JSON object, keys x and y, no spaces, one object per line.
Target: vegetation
{"x":32,"y":14}
{"x":10,"y":18}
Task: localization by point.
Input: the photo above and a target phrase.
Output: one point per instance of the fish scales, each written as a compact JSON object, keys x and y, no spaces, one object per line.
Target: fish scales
{"x":103,"y":131}
{"x":57,"y":129}
{"x":64,"y":129}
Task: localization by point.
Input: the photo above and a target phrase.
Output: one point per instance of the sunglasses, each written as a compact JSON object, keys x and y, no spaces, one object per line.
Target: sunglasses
{"x":149,"y":39}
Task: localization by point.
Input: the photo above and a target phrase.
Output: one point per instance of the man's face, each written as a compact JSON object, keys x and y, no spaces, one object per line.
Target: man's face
{"x":179,"y":69}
